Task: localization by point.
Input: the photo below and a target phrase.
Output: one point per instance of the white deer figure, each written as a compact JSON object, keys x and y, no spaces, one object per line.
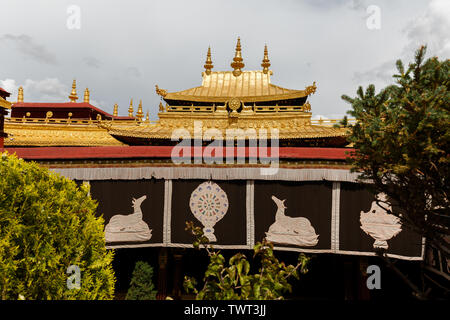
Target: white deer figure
{"x":131,"y":227}
{"x":289,"y":230}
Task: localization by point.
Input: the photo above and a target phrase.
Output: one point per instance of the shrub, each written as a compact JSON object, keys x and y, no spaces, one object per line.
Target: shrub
{"x":48,"y":223}
{"x":141,"y":285}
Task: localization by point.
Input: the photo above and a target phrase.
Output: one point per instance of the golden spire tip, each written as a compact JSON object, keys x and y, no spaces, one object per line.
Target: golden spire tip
{"x":130,"y":109}
{"x":265,"y":62}
{"x":208,"y":63}
{"x":20,"y":95}
{"x":73,"y":95}
{"x":237,"y":63}
{"x":86,"y":95}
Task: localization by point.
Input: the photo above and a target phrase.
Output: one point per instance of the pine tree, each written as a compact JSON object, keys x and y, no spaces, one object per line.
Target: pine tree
{"x":402,"y":143}
{"x":141,"y":285}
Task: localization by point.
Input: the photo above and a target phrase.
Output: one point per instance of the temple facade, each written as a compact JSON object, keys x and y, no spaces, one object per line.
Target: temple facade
{"x":237,"y":155}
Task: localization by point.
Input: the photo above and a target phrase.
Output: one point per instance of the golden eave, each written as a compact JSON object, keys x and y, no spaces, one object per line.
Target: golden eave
{"x":5,"y":104}
{"x":26,"y":134}
{"x":287,"y":129}
{"x":249,"y":86}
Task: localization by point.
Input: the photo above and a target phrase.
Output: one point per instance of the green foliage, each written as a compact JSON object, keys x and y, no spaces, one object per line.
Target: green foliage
{"x":402,"y":142}
{"x":233,"y":281}
{"x":48,"y":223}
{"x":141,"y":285}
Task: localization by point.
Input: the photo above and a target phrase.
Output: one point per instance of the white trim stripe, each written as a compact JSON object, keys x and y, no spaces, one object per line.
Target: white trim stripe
{"x":207,"y":173}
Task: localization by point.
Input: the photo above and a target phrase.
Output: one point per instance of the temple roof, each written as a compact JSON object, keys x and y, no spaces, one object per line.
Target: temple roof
{"x":46,"y":134}
{"x":249,"y":86}
{"x":156,"y":131}
{"x":20,"y":107}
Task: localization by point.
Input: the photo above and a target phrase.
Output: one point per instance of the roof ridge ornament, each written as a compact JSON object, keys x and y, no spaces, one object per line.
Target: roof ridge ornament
{"x":311,"y":89}
{"x":86,"y":95}
{"x":160,"y":92}
{"x":73,"y":95}
{"x":140,"y":113}
{"x":130,"y":109}
{"x":20,"y":95}
{"x":237,"y":63}
{"x":265,"y":62}
{"x":116,"y":110}
{"x":208,"y":63}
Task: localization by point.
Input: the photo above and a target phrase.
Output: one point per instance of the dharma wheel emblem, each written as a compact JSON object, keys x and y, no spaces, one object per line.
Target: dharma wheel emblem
{"x":234,"y":104}
{"x":209,"y":204}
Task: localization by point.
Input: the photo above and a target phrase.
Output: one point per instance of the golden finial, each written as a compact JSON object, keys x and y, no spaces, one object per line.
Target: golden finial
{"x":20,"y":95}
{"x":266,"y":62}
{"x":237,"y":63}
{"x":147,"y":117}
{"x":139,"y":113}
{"x":116,"y":110}
{"x":73,"y":95}
{"x":86,"y":95}
{"x":208,"y":64}
{"x":130,"y":109}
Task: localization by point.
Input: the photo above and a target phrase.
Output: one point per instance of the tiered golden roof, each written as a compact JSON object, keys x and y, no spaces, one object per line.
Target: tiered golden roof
{"x":232,"y":99}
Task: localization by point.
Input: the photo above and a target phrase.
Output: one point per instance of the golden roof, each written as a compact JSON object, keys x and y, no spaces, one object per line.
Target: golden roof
{"x":232,"y":100}
{"x":158,"y":131}
{"x":42,"y":134}
{"x":249,"y":86}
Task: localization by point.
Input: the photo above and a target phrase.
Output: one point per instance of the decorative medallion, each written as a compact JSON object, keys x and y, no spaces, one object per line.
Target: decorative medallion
{"x":128,"y":228}
{"x":209,"y":204}
{"x":289,"y":230}
{"x":380,"y":225}
{"x":234,"y":104}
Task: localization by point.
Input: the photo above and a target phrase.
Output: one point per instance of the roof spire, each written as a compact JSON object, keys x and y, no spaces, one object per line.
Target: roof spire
{"x":73,"y":95}
{"x":116,"y":110}
{"x":147,"y":118}
{"x":86,"y":95}
{"x":139,"y":113}
{"x":208,"y":63}
{"x":266,"y":62}
{"x":130,"y":109}
{"x":20,"y":95}
{"x":237,"y":63}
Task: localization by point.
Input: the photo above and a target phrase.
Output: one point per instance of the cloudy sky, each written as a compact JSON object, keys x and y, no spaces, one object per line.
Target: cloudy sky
{"x":123,"y":48}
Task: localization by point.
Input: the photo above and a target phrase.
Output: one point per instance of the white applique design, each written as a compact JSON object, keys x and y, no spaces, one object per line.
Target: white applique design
{"x":380,"y":225}
{"x":209,"y":204}
{"x":288,"y":230}
{"x":131,"y":227}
